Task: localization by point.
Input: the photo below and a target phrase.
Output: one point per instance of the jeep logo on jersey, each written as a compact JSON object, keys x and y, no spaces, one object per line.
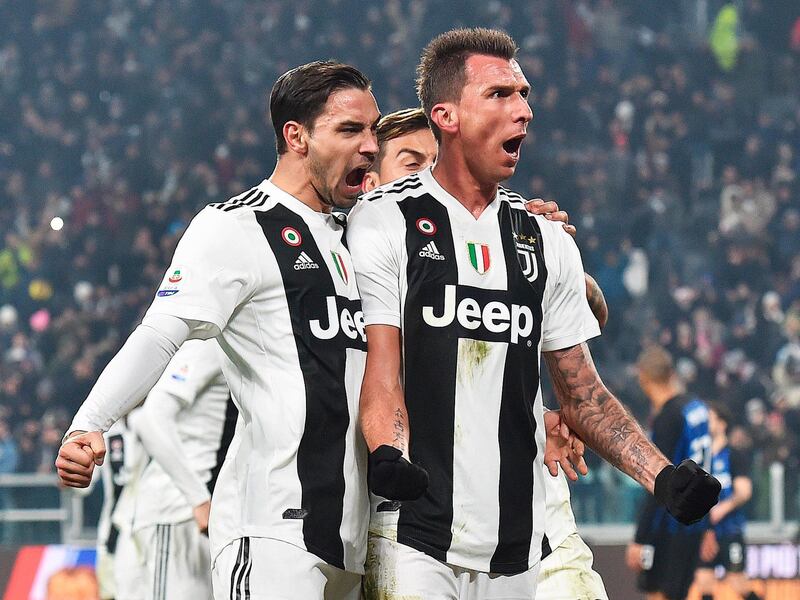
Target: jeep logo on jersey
{"x":291,"y":236}
{"x":479,"y":256}
{"x":351,"y":323}
{"x":495,"y":317}
{"x":426,"y":226}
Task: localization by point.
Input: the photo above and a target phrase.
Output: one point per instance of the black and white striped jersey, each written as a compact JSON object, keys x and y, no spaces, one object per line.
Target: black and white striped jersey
{"x":205,"y":426}
{"x":120,"y":474}
{"x":477,"y":301}
{"x":272,"y":280}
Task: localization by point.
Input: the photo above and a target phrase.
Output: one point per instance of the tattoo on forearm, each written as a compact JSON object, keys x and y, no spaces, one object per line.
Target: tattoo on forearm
{"x":599,"y":418}
{"x":399,"y":441}
{"x":597,"y":302}
{"x":621,"y":432}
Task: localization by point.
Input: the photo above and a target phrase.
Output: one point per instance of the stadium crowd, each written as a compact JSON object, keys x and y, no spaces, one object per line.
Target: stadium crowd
{"x":670,"y":134}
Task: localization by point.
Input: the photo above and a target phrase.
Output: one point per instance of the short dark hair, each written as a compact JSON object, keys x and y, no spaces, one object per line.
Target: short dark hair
{"x":656,"y":364}
{"x":300,"y":94}
{"x":397,"y":124}
{"x":441,"y":73}
{"x":723,"y":413}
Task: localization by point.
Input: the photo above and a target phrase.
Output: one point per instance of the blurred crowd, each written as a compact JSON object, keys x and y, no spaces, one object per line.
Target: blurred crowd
{"x":670,"y":131}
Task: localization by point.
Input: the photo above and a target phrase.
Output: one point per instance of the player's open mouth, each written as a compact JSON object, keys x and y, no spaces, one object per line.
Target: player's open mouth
{"x":512,"y":146}
{"x":355,"y":177}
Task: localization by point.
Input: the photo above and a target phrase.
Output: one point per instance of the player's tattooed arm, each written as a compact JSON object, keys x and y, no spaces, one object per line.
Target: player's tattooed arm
{"x":597,"y":301}
{"x":383,"y":415}
{"x":599,"y":418}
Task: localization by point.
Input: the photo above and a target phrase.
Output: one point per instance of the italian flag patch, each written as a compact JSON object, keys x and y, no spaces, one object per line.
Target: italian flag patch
{"x":479,"y":256}
{"x":338,"y":261}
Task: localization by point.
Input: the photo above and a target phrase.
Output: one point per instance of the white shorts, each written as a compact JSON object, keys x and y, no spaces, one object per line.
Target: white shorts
{"x":177,"y":561}
{"x":267,"y":569}
{"x":121,"y":575}
{"x":398,"y":571}
{"x":567,"y":574}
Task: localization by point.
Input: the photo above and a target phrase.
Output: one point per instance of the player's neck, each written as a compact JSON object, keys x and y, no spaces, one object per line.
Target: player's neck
{"x":718,"y":442}
{"x":661,"y":394}
{"x":291,"y":177}
{"x":453,"y":174}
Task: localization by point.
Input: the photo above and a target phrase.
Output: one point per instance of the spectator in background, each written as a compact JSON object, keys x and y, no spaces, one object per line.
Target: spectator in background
{"x":9,"y":457}
{"x":124,"y":119}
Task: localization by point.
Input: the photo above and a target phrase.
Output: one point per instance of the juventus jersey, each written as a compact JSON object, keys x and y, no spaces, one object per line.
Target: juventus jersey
{"x":272,"y":280}
{"x":120,"y":475}
{"x":559,"y":522}
{"x":205,"y":427}
{"x":477,"y":300}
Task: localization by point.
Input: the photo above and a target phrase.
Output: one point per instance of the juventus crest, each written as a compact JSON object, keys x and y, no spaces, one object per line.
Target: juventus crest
{"x":527,"y":256}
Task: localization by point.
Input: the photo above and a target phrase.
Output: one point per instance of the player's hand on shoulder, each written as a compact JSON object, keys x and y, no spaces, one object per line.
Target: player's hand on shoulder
{"x":550,"y":210}
{"x":201,"y":514}
{"x":77,"y":457}
{"x":393,"y":477}
{"x":563,"y":447}
{"x":687,"y":491}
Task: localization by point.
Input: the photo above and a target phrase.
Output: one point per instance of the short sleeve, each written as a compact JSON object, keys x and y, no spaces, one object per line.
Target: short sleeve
{"x":193,"y":368}
{"x":376,"y":249}
{"x":211,"y":273}
{"x":567,"y":318}
{"x":740,"y":463}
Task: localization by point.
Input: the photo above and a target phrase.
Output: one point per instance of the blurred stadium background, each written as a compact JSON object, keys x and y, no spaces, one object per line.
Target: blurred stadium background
{"x":670,"y":131}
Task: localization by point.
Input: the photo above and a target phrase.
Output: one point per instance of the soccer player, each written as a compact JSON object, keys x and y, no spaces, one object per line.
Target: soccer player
{"x":461,"y":289}
{"x":120,"y":564}
{"x":732,"y":468}
{"x":405,"y":146}
{"x":665,"y":552}
{"x":267,"y":275}
{"x":186,"y":425}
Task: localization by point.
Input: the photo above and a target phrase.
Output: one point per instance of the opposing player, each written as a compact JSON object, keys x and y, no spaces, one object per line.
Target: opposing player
{"x":665,"y":552}
{"x":732,"y":468}
{"x":406,"y":146}
{"x":186,"y":425}
{"x":268,"y":276}
{"x":461,"y":283}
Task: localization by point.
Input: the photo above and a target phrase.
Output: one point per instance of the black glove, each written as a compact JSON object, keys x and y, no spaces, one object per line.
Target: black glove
{"x":687,"y":491}
{"x":393,"y":477}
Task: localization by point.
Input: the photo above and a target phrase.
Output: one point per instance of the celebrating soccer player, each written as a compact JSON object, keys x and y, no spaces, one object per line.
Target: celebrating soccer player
{"x":462,"y":289}
{"x":406,"y":146}
{"x":267,"y":275}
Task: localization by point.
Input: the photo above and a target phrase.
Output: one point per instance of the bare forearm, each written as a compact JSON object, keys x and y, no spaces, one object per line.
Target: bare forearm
{"x":384,"y":419}
{"x":599,"y":418}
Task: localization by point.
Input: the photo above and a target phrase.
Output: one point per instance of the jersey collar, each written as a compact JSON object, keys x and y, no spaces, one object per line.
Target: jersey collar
{"x":295,"y":205}
{"x":455,"y":207}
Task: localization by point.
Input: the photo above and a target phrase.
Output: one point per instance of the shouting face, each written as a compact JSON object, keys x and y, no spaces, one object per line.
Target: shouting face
{"x":342,"y":146}
{"x":493,"y":116}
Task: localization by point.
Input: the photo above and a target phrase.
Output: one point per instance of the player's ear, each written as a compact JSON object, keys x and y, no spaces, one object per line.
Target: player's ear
{"x":445,"y":117}
{"x":296,"y":137}
{"x":371,"y":181}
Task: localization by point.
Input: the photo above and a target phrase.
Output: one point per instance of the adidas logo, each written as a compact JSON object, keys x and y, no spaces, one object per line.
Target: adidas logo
{"x":431,"y":251}
{"x":304,"y":262}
